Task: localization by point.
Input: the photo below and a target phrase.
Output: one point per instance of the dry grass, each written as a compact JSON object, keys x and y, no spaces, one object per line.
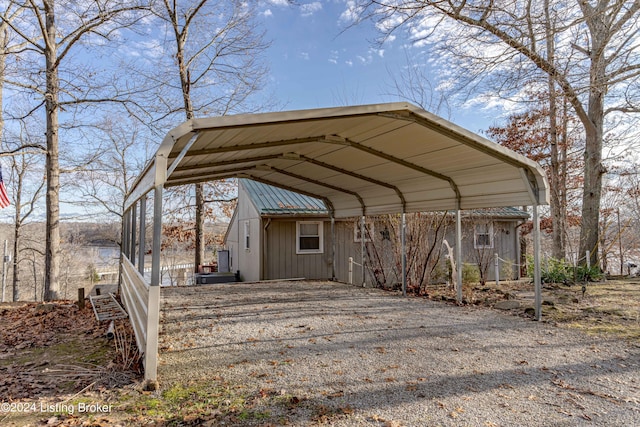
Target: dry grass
{"x":611,"y":307}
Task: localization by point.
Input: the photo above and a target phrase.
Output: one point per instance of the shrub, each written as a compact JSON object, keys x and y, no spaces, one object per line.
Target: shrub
{"x":506,"y":269}
{"x":587,"y":274}
{"x":554,"y":270}
{"x":470,"y":273}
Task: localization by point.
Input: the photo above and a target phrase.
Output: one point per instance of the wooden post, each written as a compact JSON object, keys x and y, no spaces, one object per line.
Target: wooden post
{"x":5,"y":260}
{"x":81,"y":298}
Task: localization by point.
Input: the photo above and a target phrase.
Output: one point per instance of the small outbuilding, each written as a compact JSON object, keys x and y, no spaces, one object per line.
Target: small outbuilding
{"x":279,"y":234}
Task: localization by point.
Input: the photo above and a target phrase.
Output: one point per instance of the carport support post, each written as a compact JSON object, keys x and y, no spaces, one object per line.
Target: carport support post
{"x":132,"y":253}
{"x":141,"y":249}
{"x":459,"y":255}
{"x":126,"y":224}
{"x":403,"y":242}
{"x":153,"y":310}
{"x":333,"y":247}
{"x":362,"y":248}
{"x":536,"y":263}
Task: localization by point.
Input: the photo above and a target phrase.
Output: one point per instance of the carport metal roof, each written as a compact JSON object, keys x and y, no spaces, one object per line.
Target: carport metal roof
{"x":361,"y":160}
{"x":371,"y":159}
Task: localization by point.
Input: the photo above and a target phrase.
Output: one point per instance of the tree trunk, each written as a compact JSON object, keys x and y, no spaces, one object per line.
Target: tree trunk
{"x":185,"y":82}
{"x":564,"y":172}
{"x":16,"y":241}
{"x":52,"y":250}
{"x":593,"y":168}
{"x":199,"y":232}
{"x":523,"y":250}
{"x":4,"y":41}
{"x":557,"y":231}
{"x":592,"y":189}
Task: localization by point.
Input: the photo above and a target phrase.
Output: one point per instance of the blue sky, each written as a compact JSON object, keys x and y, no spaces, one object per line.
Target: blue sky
{"x":316,"y":61}
{"x":315,"y":64}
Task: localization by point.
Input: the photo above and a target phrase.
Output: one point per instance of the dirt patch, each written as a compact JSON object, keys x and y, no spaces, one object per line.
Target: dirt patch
{"x":49,"y":353}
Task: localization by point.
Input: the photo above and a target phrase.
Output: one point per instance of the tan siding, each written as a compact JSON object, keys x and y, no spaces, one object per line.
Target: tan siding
{"x":504,"y":244}
{"x":345,"y":248}
{"x":283,"y":262}
{"x":248,"y":261}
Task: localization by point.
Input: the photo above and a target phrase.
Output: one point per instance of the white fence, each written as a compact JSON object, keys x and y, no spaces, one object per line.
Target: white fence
{"x":111,"y":274}
{"x":142,"y":303}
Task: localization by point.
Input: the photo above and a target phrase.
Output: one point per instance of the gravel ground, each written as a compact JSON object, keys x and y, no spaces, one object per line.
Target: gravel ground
{"x":372,"y":358}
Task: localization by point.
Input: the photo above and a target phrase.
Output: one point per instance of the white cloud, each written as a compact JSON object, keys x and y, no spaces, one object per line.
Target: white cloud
{"x":267,"y":13}
{"x":349,"y":63}
{"x":304,"y":55}
{"x":351,"y":13}
{"x":283,"y":3}
{"x":310,"y":8}
{"x":333,"y":58}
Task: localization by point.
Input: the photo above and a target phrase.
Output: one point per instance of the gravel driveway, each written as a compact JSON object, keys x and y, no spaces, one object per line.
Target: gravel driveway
{"x":374,"y":358}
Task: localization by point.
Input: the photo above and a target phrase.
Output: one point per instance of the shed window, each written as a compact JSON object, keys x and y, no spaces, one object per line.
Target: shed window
{"x":309,"y":237}
{"x":483,"y":236}
{"x":247,"y":235}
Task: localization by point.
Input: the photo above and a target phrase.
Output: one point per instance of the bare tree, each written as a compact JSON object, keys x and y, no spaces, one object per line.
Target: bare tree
{"x":25,"y":192}
{"x":548,"y":141}
{"x":52,"y":31}
{"x":217,"y":72}
{"x":103,"y":184}
{"x":505,"y":44}
{"x":24,"y":201}
{"x":416,"y":85}
{"x":425,"y":233}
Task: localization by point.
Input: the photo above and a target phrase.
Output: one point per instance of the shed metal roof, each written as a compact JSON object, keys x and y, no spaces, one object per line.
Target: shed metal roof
{"x":501,"y":213}
{"x":270,"y":200}
{"x":371,"y":159}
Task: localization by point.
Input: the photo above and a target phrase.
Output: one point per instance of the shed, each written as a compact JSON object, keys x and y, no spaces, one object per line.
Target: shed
{"x":266,"y":233}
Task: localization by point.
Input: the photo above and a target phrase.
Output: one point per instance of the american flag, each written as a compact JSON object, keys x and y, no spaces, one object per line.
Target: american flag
{"x":4,"y":197}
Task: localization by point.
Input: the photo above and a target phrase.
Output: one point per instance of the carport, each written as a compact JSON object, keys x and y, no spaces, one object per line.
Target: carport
{"x":363,"y":160}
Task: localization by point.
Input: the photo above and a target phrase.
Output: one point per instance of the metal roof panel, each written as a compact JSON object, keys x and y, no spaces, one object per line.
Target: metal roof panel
{"x":350,"y":157}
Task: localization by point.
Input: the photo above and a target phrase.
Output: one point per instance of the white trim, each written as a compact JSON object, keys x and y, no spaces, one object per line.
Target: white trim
{"x":476,"y":234}
{"x":320,"y":249}
{"x":246,"y":236}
